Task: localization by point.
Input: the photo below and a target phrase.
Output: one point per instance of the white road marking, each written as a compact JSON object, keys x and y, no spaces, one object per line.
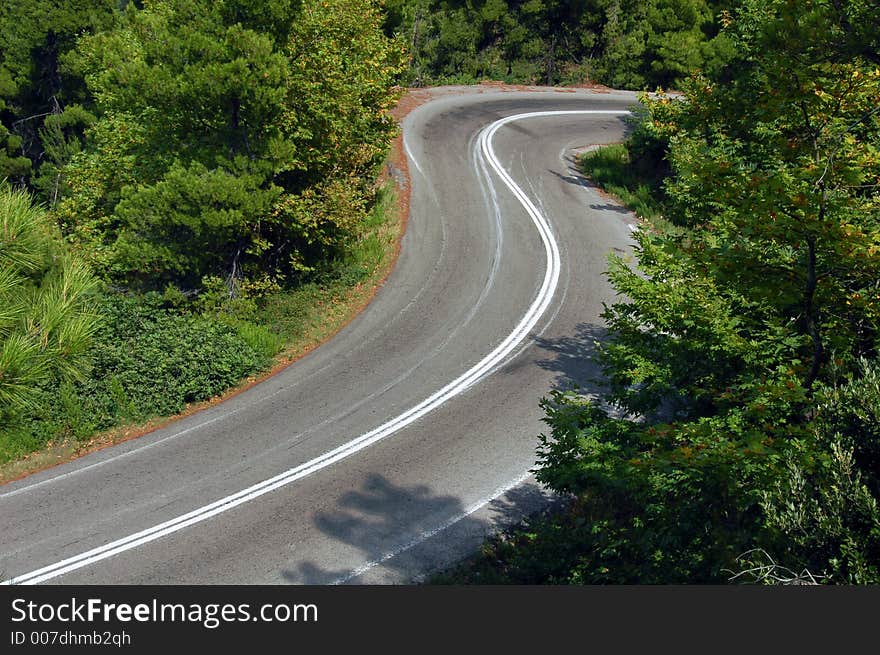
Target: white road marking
{"x":412,"y":157}
{"x":128,"y":453}
{"x":470,"y":377}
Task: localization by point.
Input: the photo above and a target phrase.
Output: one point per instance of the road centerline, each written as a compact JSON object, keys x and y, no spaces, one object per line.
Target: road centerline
{"x":466,"y":380}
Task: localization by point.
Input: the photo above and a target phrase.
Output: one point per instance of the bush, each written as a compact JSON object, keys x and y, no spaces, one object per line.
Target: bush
{"x":823,"y":510}
{"x":147,"y":361}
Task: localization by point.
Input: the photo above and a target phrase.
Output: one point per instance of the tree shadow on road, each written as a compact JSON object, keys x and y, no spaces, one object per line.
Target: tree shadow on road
{"x":574,"y":358}
{"x":407,"y":530}
{"x":575,"y":177}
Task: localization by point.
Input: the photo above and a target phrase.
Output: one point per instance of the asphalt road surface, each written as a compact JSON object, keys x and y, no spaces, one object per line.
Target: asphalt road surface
{"x":393,"y":449}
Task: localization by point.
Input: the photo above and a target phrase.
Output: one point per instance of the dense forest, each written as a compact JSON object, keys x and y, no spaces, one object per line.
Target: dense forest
{"x":628,"y":44}
{"x":186,"y":182}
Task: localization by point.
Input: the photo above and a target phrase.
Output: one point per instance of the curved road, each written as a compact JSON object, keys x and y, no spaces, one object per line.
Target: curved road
{"x":395,"y":447}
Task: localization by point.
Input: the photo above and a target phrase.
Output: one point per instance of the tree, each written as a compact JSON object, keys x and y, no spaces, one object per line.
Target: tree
{"x":623,"y":43}
{"x":12,"y":163}
{"x":220,"y":125}
{"x":747,"y":309}
{"x":38,"y":93}
{"x":45,"y":308}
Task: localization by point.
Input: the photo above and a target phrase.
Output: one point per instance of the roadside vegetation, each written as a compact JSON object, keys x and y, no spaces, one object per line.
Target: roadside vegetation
{"x":152,"y":355}
{"x":738,"y":438}
{"x":192,"y":194}
{"x":633,"y":171}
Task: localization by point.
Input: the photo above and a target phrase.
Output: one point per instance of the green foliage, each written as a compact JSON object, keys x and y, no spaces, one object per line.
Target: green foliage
{"x":623,"y":43}
{"x":162,"y":360}
{"x":41,"y":114}
{"x":645,"y":521}
{"x":179,"y":169}
{"x":61,"y":139}
{"x":147,"y":361}
{"x":341,"y":72}
{"x":635,"y":170}
{"x":228,"y":146}
{"x":183,"y":227}
{"x":12,"y":164}
{"x":258,"y":337}
{"x":613,"y":169}
{"x":658,"y":43}
{"x":541,"y":550}
{"x":742,"y":366}
{"x":823,"y":510}
{"x":46,"y":320}
{"x":204,"y":154}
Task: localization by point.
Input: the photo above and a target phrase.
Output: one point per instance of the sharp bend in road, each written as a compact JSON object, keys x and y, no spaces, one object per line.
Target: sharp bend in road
{"x":401,"y":443}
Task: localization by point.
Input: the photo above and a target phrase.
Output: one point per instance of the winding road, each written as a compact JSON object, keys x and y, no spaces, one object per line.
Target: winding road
{"x":396,"y":447}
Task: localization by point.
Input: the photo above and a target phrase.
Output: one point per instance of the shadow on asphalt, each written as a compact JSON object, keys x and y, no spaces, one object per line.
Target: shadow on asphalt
{"x":574,"y":177}
{"x":373,"y":519}
{"x":573,"y":358}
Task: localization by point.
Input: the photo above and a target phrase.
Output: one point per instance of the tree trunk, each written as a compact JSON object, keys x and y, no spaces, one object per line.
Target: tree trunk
{"x":811,"y":314}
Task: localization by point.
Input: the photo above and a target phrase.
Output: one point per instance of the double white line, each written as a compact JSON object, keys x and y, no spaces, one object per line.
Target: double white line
{"x":454,"y":388}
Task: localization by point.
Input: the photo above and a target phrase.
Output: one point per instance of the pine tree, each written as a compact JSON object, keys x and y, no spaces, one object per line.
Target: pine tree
{"x":45,"y":309}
